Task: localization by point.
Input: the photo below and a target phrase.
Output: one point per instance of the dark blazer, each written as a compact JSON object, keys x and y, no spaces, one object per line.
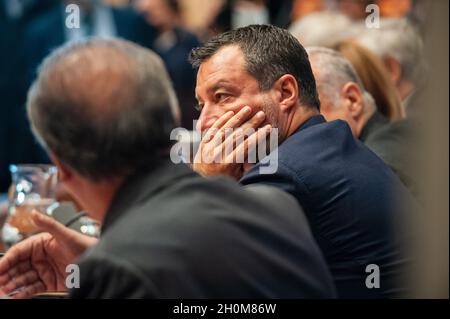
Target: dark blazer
{"x":396,"y":144}
{"x":170,"y":233}
{"x":349,"y":196}
{"x":376,"y":122}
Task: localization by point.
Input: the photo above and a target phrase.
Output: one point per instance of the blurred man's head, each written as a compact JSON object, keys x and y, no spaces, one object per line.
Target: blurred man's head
{"x":341,"y":92}
{"x":103,"y":109}
{"x":322,"y":29}
{"x":263,"y":67}
{"x":400,"y":46}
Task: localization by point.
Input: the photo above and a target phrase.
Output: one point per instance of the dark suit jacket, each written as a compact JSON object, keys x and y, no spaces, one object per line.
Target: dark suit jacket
{"x":396,"y":144}
{"x":170,"y":233}
{"x":349,"y":196}
{"x":376,"y":122}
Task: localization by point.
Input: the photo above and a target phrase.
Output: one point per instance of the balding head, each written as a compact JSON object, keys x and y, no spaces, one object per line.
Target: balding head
{"x":341,"y":91}
{"x":103,"y":107}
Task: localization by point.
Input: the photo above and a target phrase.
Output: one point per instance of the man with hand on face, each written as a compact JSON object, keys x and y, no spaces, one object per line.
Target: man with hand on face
{"x":260,"y":77}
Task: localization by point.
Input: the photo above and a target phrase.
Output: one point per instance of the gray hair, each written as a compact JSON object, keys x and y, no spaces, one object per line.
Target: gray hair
{"x":399,"y":39}
{"x":321,"y":29}
{"x":335,"y":72}
{"x":103,"y":107}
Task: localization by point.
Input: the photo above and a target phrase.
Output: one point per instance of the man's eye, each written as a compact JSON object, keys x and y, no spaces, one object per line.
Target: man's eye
{"x":199,"y":107}
{"x":221,"y":96}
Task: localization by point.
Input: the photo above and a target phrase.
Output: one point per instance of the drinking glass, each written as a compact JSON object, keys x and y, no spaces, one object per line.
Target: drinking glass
{"x":33,"y":187}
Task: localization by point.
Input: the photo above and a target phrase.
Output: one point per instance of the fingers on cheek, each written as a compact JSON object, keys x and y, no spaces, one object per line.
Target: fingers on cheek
{"x":259,"y":117}
{"x":208,"y":135}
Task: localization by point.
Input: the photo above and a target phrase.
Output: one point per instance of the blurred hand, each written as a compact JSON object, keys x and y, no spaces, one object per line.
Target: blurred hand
{"x":230,"y":138}
{"x":38,"y":264}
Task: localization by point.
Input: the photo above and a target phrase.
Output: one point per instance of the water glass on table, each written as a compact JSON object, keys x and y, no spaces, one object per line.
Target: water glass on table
{"x":33,"y":188}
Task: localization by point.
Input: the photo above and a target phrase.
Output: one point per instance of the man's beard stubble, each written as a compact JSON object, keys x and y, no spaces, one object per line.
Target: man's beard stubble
{"x":272,"y":114}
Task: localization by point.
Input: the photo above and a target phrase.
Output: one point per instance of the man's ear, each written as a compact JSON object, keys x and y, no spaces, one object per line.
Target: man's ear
{"x":64,"y":173}
{"x":287,"y":91}
{"x":353,"y":99}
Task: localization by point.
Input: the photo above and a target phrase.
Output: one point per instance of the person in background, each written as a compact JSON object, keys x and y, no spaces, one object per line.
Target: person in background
{"x":279,"y":13}
{"x":49,"y":31}
{"x":336,"y":31}
{"x":322,"y":29}
{"x":354,"y":9}
{"x":342,"y":93}
{"x":395,"y":8}
{"x":374,"y":77}
{"x":29,"y":32}
{"x":17,"y":144}
{"x":209,"y":18}
{"x":173,"y":43}
{"x":105,"y":110}
{"x":398,"y":43}
{"x":303,"y":8}
{"x":246,"y":12}
{"x":343,"y":96}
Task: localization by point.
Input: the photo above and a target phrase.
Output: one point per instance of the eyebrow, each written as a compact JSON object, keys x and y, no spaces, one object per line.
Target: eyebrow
{"x":219,"y":85}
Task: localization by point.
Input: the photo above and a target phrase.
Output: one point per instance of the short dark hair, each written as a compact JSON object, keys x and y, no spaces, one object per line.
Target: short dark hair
{"x":103,"y":107}
{"x":270,"y":52}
